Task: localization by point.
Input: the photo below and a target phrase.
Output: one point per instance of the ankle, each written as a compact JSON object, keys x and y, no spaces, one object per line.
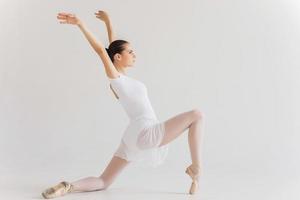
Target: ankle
{"x":195,"y":167}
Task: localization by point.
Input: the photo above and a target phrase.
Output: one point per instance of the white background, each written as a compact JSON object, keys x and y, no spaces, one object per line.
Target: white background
{"x":237,"y":61}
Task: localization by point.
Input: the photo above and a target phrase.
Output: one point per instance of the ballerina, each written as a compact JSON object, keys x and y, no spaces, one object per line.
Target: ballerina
{"x":145,"y":139}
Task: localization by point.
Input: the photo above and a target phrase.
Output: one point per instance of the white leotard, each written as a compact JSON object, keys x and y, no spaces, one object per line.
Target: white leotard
{"x":133,"y":96}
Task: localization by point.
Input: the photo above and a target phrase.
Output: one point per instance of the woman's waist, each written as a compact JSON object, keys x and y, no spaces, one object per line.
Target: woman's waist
{"x":152,"y":117}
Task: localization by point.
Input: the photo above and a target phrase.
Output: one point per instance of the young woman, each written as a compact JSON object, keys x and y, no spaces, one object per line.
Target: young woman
{"x":145,"y":139}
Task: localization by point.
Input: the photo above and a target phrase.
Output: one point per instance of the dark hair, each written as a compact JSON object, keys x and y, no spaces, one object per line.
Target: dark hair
{"x":115,"y":47}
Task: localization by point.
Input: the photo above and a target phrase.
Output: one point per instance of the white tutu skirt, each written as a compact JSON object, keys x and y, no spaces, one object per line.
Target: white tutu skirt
{"x":140,"y":142}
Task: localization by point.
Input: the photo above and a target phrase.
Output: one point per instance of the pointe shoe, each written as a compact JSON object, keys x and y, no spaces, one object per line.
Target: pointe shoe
{"x":58,"y":190}
{"x":194,"y":173}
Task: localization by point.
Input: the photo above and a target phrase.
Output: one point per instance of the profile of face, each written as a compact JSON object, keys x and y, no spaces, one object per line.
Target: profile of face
{"x":127,"y":56}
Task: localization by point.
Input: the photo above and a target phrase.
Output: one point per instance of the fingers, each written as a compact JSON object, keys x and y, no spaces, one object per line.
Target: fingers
{"x":65,"y":15}
{"x":62,"y":20}
{"x":71,"y":18}
{"x":61,"y":17}
{"x":100,"y":13}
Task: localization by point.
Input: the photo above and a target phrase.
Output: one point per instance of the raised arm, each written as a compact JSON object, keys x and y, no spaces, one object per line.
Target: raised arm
{"x":67,"y":18}
{"x":102,"y":15}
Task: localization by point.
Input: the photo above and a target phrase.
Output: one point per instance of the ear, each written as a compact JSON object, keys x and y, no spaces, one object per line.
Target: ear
{"x":117,"y":56}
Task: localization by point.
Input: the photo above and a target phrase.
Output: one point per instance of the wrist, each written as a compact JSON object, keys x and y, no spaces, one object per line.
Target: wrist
{"x":107,"y":21}
{"x":80,"y":24}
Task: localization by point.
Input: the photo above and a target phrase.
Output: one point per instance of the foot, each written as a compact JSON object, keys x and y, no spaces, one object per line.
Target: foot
{"x":194,"y":172}
{"x":58,"y":190}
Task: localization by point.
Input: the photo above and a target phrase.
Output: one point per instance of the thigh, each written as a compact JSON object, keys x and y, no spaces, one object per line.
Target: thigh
{"x":113,"y":169}
{"x":176,"y":125}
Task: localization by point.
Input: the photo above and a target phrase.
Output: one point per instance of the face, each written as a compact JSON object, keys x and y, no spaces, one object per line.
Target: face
{"x":127,"y":56}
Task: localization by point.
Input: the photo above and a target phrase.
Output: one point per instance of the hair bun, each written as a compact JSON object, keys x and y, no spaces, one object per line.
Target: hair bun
{"x":107,"y":50}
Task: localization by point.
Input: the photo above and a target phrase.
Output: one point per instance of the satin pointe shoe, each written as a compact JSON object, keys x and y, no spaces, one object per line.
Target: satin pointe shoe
{"x":194,"y":173}
{"x":58,"y":190}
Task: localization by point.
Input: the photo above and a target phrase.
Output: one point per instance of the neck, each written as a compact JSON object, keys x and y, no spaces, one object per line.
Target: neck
{"x":120,"y":68}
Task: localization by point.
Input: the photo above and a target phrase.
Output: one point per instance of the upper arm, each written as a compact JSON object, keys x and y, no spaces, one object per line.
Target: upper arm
{"x":111,"y":71}
{"x":111,"y":39}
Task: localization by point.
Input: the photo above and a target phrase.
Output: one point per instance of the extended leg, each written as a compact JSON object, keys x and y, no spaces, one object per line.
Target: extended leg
{"x":113,"y":169}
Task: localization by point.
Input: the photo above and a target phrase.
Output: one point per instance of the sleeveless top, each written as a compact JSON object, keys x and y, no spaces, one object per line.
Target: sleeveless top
{"x":133,"y":96}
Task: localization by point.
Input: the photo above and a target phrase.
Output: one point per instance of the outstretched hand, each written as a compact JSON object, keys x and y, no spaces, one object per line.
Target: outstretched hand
{"x":102,"y":15}
{"x":68,"y":18}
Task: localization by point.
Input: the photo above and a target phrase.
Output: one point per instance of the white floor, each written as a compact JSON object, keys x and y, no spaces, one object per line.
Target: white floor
{"x":161,"y":183}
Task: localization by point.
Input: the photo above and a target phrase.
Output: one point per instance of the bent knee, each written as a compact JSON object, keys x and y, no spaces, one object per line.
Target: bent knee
{"x":197,"y":114}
